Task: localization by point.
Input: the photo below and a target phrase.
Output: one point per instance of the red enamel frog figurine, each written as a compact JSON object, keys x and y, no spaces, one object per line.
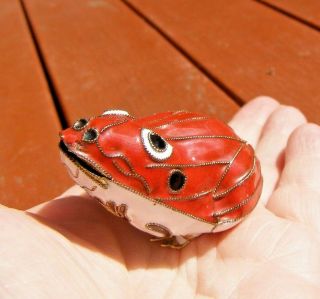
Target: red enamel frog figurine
{"x":174,"y":175}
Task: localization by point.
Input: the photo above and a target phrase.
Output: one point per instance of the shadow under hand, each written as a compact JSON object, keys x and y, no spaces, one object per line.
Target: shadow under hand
{"x":84,"y":221}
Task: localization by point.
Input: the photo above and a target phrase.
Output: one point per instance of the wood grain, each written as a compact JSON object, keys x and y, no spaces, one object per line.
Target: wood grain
{"x":100,"y":55}
{"x":308,"y":10}
{"x":30,"y":170}
{"x":249,"y":47}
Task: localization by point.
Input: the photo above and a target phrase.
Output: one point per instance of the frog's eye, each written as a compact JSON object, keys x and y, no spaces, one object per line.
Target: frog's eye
{"x":90,"y":135}
{"x":116,"y":112}
{"x":155,"y":145}
{"x":176,"y":180}
{"x":80,"y":124}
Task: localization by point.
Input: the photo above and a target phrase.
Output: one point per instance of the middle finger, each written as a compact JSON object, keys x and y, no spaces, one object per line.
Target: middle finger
{"x":272,"y":143}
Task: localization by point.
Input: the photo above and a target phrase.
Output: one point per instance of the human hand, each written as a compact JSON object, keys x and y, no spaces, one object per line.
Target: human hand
{"x":71,"y":247}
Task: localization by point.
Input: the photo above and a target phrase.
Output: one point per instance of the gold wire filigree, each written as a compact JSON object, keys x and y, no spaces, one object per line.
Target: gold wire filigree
{"x":116,"y":210}
{"x":167,"y":239}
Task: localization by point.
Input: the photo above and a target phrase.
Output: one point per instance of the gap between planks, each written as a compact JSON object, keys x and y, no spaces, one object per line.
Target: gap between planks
{"x":52,"y":90}
{"x":186,"y":55}
{"x":288,"y":14}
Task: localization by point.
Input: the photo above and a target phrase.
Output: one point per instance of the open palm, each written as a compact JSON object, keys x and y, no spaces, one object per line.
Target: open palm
{"x":71,"y":247}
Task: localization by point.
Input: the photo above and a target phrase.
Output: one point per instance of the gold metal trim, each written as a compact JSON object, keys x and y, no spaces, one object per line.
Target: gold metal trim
{"x":196,"y":118}
{"x":101,"y":181}
{"x":114,"y":114}
{"x":113,"y":125}
{"x":116,"y":210}
{"x":93,"y":188}
{"x":134,"y":174}
{"x":227,"y":168}
{"x":167,"y":116}
{"x":238,"y":184}
{"x":240,"y":204}
{"x":168,"y":239}
{"x":238,"y":219}
{"x":187,"y":165}
{"x":185,"y":198}
{"x":182,"y":138}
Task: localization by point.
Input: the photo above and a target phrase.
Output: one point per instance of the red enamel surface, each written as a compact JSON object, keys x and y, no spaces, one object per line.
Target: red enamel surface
{"x":125,"y":140}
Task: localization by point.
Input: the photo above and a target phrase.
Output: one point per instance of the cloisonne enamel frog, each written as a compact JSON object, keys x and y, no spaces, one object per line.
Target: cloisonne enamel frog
{"x":174,"y":175}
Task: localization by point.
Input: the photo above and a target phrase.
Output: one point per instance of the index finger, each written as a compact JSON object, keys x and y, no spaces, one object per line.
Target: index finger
{"x":249,"y":121}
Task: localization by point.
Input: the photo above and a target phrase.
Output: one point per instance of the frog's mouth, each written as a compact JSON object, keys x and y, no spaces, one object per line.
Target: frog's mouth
{"x":86,"y":167}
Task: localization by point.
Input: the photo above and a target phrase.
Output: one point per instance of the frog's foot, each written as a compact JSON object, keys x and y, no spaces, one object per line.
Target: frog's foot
{"x":176,"y":242}
{"x":168,"y":239}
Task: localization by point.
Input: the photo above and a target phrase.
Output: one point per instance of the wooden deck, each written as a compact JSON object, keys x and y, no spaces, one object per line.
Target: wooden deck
{"x":61,"y":60}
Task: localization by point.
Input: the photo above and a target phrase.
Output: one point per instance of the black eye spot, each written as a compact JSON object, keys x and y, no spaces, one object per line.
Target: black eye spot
{"x":157,"y":142}
{"x":177,"y":180}
{"x":90,"y":135}
{"x":155,"y":146}
{"x":80,"y":124}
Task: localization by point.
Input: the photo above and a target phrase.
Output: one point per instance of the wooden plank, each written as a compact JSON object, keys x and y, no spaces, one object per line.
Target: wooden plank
{"x":30,"y":172}
{"x":249,"y":47}
{"x":307,"y":10}
{"x":101,"y":55}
